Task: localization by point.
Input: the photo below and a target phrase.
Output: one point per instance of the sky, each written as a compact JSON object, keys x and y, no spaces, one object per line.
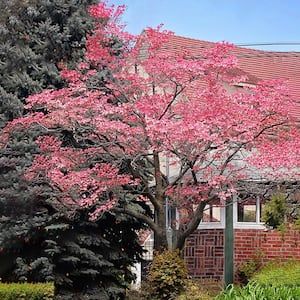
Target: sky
{"x":235,"y":21}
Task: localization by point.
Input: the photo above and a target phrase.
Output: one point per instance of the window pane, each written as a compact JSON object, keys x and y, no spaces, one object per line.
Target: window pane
{"x":247,"y":211}
{"x":212,"y":213}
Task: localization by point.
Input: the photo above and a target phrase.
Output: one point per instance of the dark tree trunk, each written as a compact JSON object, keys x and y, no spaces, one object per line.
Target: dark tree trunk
{"x":160,"y":236}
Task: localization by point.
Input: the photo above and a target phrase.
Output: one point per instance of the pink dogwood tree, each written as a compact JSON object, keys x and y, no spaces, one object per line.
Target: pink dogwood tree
{"x":136,"y":109}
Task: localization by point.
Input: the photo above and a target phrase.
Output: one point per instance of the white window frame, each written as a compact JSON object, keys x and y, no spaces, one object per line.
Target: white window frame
{"x":236,"y":224}
{"x":247,"y":225}
{"x":214,"y":225}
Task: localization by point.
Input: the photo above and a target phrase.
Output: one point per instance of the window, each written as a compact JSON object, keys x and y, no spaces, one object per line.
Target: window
{"x":248,"y":212}
{"x":213,"y":216}
{"x":212,"y":213}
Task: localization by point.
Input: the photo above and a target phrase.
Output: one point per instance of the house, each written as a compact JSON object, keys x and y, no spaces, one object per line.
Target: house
{"x":204,"y":250}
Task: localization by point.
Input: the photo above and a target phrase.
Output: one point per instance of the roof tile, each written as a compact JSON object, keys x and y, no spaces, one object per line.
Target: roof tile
{"x":256,"y":64}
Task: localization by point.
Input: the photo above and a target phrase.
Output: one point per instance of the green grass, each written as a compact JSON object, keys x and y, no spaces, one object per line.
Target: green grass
{"x":254,"y":291}
{"x":279,"y":274}
{"x":275,"y":281}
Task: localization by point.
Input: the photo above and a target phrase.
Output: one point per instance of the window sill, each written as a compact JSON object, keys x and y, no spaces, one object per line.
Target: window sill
{"x":208,"y":225}
{"x":249,"y":225}
{"x":239,"y":225}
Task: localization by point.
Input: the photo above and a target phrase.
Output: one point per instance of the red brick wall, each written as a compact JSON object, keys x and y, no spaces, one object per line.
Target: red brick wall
{"x":272,"y":244}
{"x":204,"y":251}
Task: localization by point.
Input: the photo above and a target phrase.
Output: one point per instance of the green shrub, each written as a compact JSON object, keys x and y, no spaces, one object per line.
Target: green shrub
{"x":297,"y":223}
{"x":275,"y":210}
{"x":279,"y":274}
{"x":134,"y":295}
{"x":247,"y":269}
{"x":26,"y":291}
{"x":253,"y":291}
{"x":193,"y":291}
{"x":167,"y":275}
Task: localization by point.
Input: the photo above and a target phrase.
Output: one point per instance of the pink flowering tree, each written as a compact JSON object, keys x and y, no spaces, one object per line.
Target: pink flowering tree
{"x":163,"y":124}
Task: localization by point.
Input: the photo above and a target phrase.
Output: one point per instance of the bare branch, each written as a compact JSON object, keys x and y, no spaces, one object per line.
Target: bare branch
{"x":176,"y":94}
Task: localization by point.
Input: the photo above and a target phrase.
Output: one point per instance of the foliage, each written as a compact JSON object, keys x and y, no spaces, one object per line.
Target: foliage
{"x":13,"y":7}
{"x":275,"y":281}
{"x":36,"y":36}
{"x":275,"y":210}
{"x":142,"y":293}
{"x":27,"y":291}
{"x":297,"y":223}
{"x":193,"y":291}
{"x":132,"y":106}
{"x":256,"y":291}
{"x":132,"y":294}
{"x":247,"y":269}
{"x":279,"y":274}
{"x":80,"y":256}
{"x":167,"y":275}
{"x":42,"y":238}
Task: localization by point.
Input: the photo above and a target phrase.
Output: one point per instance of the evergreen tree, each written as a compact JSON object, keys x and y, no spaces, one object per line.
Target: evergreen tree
{"x":12,"y":7}
{"x":40,"y":239}
{"x":35,"y":37}
{"x":85,"y":259}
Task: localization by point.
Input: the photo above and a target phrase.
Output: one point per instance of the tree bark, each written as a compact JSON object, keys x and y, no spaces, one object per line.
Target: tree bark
{"x":160,"y":236}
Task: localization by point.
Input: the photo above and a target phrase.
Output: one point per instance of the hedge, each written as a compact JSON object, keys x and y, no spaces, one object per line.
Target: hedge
{"x":26,"y":291}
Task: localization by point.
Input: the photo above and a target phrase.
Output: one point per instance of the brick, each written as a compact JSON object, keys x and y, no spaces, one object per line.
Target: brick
{"x":204,"y":253}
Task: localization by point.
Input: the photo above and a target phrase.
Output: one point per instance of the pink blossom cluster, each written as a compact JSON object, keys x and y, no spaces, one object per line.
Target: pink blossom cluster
{"x":165,"y":103}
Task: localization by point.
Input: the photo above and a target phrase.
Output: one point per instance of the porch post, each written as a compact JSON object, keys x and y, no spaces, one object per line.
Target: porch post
{"x":229,"y":245}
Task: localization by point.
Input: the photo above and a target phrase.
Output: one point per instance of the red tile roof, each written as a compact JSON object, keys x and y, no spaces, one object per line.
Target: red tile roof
{"x":256,"y":64}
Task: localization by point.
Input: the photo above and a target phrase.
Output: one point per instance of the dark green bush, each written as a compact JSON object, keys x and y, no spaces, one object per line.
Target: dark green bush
{"x":167,"y":275}
{"x":275,"y":210}
{"x":279,"y":274}
{"x":26,"y":291}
